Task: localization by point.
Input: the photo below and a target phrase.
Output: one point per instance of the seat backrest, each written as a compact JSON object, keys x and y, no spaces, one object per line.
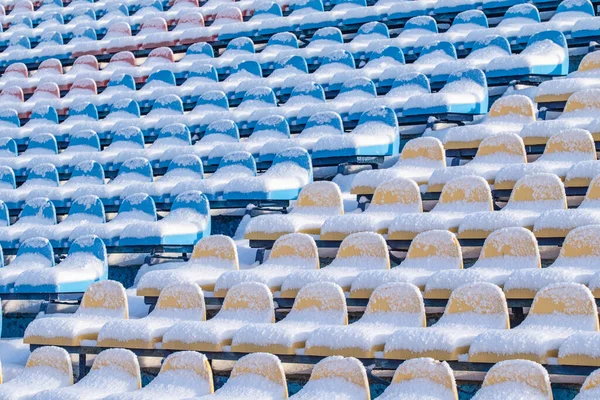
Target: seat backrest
{"x":168,"y":102}
{"x":191,"y":204}
{"x":200,"y":50}
{"x":106,"y":297}
{"x":581,"y":248}
{"x":399,"y":301}
{"x":182,"y":300}
{"x":483,"y":299}
{"x":224,"y":128}
{"x":330,"y":34}
{"x":590,"y":62}
{"x":359,"y":85}
{"x":591,"y":384}
{"x":470,"y":193}
{"x":308,"y":6}
{"x":412,"y":81}
{"x":321,"y":197}
{"x":492,"y":41}
{"x":283,"y":39}
{"x":85,"y":139}
{"x":587,"y":100}
{"x":88,"y":172}
{"x":118,"y":29}
{"x":51,"y":66}
{"x":45,"y":113}
{"x":421,"y":22}
{"x":247,"y":66}
{"x":514,"y":106}
{"x":373,"y":28}
{"x":438,"y":47}
{"x":265,"y":365}
{"x":244,"y":44}
{"x":86,"y":62}
{"x":153,"y":25}
{"x":37,"y":248}
{"x":217,"y":250}
{"x":307,"y":92}
{"x":423,"y":152}
{"x":7,"y":178}
{"x":122,"y":81}
{"x":296,"y":62}
{"x":84,"y":34}
{"x":213,"y":98}
{"x":274,"y":126}
{"x":10,"y":117}
{"x":12,"y":94}
{"x":228,"y":15}
{"x":138,"y":203}
{"x":122,"y":58}
{"x":471,"y":81}
{"x":508,"y":147}
{"x":43,"y":142}
{"x":38,"y":209}
{"x":188,"y":362}
{"x":542,"y":191}
{"x":297,"y":249}
{"x":324,"y":298}
{"x":400,"y":195}
{"x":55,"y":358}
{"x":160,"y":55}
{"x":569,"y":299}
{"x":132,"y":136}
{"x":427,"y":373}
{"x":359,"y":247}
{"x":526,"y":10}
{"x":186,"y":164}
{"x":126,"y":106}
{"x":137,"y":168}
{"x":530,"y":376}
{"x":122,"y":359}
{"x":537,"y":45}
{"x":175,"y":134}
{"x":513,"y":247}
{"x":293,"y":157}
{"x":474,"y":17}
{"x":84,"y":86}
{"x":92,"y":245}
{"x":336,"y":368}
{"x":20,"y":42}
{"x":17,"y":70}
{"x":585,"y":6}
{"x":89,"y":207}
{"x":576,"y":144}
{"x":324,"y":122}
{"x":379,"y":115}
{"x":161,"y":77}
{"x":253,"y":300}
{"x":434,"y":250}
{"x":387,"y":53}
{"x":260,"y":94}
{"x":236,"y":160}
{"x":339,"y":56}
{"x":200,"y":69}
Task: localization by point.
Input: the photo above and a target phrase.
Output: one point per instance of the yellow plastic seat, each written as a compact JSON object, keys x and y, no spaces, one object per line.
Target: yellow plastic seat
{"x":336,"y":377}
{"x":557,"y":311}
{"x":212,"y":256}
{"x":581,"y":174}
{"x":316,"y":305}
{"x":392,"y":305}
{"x":419,"y":158}
{"x":460,"y":197}
{"x":290,"y":253}
{"x":431,"y":379}
{"x":391,"y":198}
{"x":590,"y":389}
{"x":428,"y":253}
{"x":363,"y":251}
{"x":531,"y":382}
{"x":504,"y":251}
{"x":102,"y":302}
{"x":471,"y":310}
{"x":245,"y":303}
{"x":532,"y":195}
{"x":182,"y":302}
{"x":315,"y":203}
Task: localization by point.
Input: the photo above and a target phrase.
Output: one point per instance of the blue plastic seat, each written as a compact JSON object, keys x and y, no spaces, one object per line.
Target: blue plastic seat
{"x":34,"y":254}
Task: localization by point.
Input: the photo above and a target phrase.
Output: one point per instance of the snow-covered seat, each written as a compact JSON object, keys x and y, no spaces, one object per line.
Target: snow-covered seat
{"x":581,"y":348}
{"x":40,"y":178}
{"x":336,"y":377}
{"x":40,"y":145}
{"x":38,"y":211}
{"x":465,"y":92}
{"x":493,"y":153}
{"x":562,"y":151}
{"x":254,"y":376}
{"x":210,"y":105}
{"x":179,"y":302}
{"x":188,"y":221}
{"x":517,"y":379}
{"x":103,"y":301}
{"x":532,"y":195}
{"x":577,"y":262}
{"x":114,"y":371}
{"x":428,"y":253}
{"x":590,"y":389}
{"x":86,"y":263}
{"x":47,"y":368}
{"x":348,"y":263}
{"x":557,"y":311}
{"x":391,"y":306}
{"x":317,"y":304}
{"x":424,"y":378}
{"x":35,"y":253}
{"x":182,"y":375}
{"x":471,"y":310}
{"x":414,"y":29}
{"x":212,"y":256}
{"x":460,"y":197}
{"x":245,"y":303}
{"x":504,"y":251}
{"x":419,"y":158}
{"x":508,"y":114}
{"x":463,"y":23}
{"x":391,"y":198}
{"x":290,"y":171}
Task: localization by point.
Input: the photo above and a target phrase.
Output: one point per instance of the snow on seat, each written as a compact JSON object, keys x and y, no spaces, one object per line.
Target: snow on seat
{"x":590,"y":389}
{"x":577,"y":262}
{"x":581,"y":348}
{"x":422,"y":378}
{"x":316,"y":202}
{"x":428,"y":253}
{"x":375,"y":135}
{"x":35,"y":253}
{"x":179,"y":302}
{"x":465,"y":92}
{"x":212,"y":256}
{"x":245,"y":303}
{"x":41,"y":178}
{"x":254,"y":376}
{"x":114,"y":371}
{"x":188,"y":221}
{"x":182,"y":375}
{"x":515,"y":379}
{"x":47,"y":368}
{"x":562,"y":151}
{"x":358,"y":252}
{"x":557,"y":311}
{"x":419,"y":158}
{"x":508,"y":114}
{"x":504,"y":251}
{"x":415,"y":28}
{"x":471,"y":310}
{"x":86,"y":263}
{"x":463,"y":23}
{"x":103,"y":301}
{"x":38,"y":211}
{"x":460,"y":197}
{"x":336,"y":378}
{"x":40,"y":145}
{"x":317,"y":304}
{"x":391,"y":198}
{"x":493,"y":154}
{"x":391,"y":306}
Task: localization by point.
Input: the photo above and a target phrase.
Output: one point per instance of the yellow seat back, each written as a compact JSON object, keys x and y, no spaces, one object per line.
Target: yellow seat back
{"x":590,"y":62}
{"x":529,"y":374}
{"x":217,"y":247}
{"x":249,"y":296}
{"x":502,"y":145}
{"x":481,"y":298}
{"x":107,"y":295}
{"x":53,"y":357}
{"x":593,"y":191}
{"x":587,"y":99}
{"x":423,"y":150}
{"x":396,"y":297}
{"x":575,"y":141}
{"x":401,"y":192}
{"x":346,"y":368}
{"x":566,"y":298}
{"x":428,"y":369}
{"x":514,"y":242}
{"x":119,"y":358}
{"x":321,"y":297}
{"x":320,"y":195}
{"x":190,"y":361}
{"x":435,"y":243}
{"x":183,"y":296}
{"x":581,"y":242}
{"x":513,"y":105}
{"x":539,"y":187}
{"x":591,"y":382}
{"x":466,"y":190}
{"x":262,"y":364}
{"x":358,"y":246}
{"x":295,"y":247}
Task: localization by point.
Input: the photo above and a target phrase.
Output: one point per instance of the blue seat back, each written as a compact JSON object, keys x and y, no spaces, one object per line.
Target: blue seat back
{"x":382,"y":114}
{"x":295,"y":155}
{"x":86,"y":137}
{"x":53,"y":17}
{"x":89,"y":169}
{"x":249,"y":66}
{"x":285,"y":39}
{"x":120,"y":79}
{"x":45,"y":141}
{"x":129,"y":134}
{"x":340,"y":57}
{"x":20,"y":42}
{"x":84,"y":109}
{"x":238,"y":159}
{"x":8,"y":145}
{"x":362,"y":3}
{"x":412,"y":79}
{"x":223,"y":127}
{"x":52,"y":3}
{"x":45,"y":112}
{"x":492,"y":40}
{"x":44,"y":171}
{"x":85,"y":12}
{"x":10,"y":116}
{"x":23,"y":21}
{"x":162,"y":76}
{"x":87,"y":34}
{"x":128,"y":106}
{"x":261,"y":93}
{"x":374,"y":28}
{"x":168,"y":102}
{"x":53,"y":38}
{"x":330,"y":33}
{"x":554,"y":36}
{"x":200,"y":69}
{"x":476,"y":17}
{"x":192,"y":200}
{"x":576,"y":5}
{"x":264,"y":9}
{"x":329,"y":119}
{"x":40,"y":207}
{"x":156,"y":4}
{"x":316,"y":5}
{"x":89,"y":205}
{"x":473,"y":74}
{"x":297,"y":62}
{"x":422,"y":22}
{"x":272,"y":123}
{"x":4,"y":221}
{"x":437,"y":45}
{"x":526,"y":10}
{"x":309,"y":89}
{"x":90,"y":244}
{"x":177,"y":131}
{"x":361,"y":84}
{"x":241,"y":44}
{"x":213,"y":98}
{"x":138,"y":202}
{"x":187,"y":162}
{"x":393,"y":52}
{"x":7,"y":176}
{"x":139,"y":166}
{"x":200,"y":49}
{"x":38,"y":246}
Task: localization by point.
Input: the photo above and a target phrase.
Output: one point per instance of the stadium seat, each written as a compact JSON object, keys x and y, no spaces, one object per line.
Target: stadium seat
{"x":36,"y":212}
{"x":532,"y":381}
{"x":417,"y":268}
{"x":102,"y":302}
{"x":557,"y":311}
{"x":471,"y":310}
{"x":532,"y":195}
{"x":34,"y":254}
{"x":414,"y":29}
{"x":463,"y":23}
{"x":504,"y":251}
{"x":589,"y":389}
{"x":581,"y":174}
{"x":391,"y":306}
{"x":509,"y":26}
{"x":39,"y":177}
{"x":245,"y":303}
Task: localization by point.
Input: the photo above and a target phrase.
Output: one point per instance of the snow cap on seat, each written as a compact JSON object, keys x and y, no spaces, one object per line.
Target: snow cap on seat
{"x":428,"y":370}
{"x":522,"y":373}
